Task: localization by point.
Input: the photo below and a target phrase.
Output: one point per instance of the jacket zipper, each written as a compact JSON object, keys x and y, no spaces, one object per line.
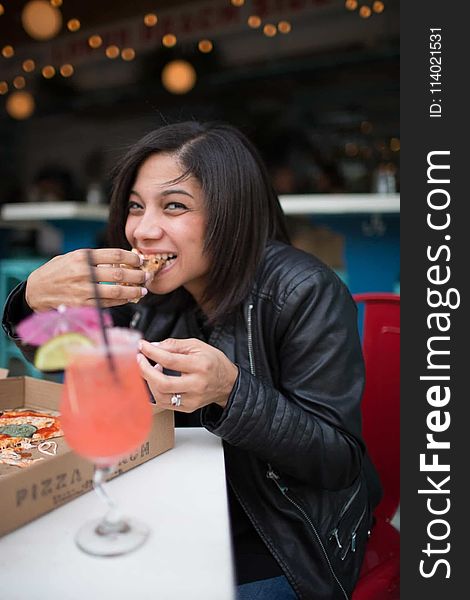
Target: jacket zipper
{"x":272,"y":475}
{"x":250,"y":341}
{"x":352,"y":545}
{"x":284,"y":489}
{"x":334,"y":533}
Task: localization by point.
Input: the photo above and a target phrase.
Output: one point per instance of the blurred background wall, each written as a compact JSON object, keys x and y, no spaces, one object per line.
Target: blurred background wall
{"x":314,"y":83}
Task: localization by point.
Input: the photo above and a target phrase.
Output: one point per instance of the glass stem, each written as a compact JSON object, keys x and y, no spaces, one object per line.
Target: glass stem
{"x":112,"y":521}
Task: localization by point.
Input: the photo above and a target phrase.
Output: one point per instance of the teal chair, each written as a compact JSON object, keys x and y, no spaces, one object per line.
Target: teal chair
{"x":12,"y":272}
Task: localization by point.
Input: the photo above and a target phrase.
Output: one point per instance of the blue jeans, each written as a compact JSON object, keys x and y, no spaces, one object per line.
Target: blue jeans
{"x":277,"y":588}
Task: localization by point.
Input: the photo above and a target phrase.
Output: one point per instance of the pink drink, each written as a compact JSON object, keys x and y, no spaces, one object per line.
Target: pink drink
{"x":105,"y":415}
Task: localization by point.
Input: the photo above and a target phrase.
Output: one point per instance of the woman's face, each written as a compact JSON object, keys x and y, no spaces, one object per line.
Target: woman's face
{"x":169,"y":218}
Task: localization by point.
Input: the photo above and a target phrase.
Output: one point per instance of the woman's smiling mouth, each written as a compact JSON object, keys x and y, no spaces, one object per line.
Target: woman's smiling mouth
{"x":154,"y":262}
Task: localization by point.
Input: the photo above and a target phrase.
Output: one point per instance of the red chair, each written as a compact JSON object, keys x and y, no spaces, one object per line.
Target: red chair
{"x":380,"y":573}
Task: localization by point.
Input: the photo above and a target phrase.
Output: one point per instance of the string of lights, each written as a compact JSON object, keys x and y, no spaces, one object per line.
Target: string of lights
{"x":365,"y":10}
{"x":42,"y":20}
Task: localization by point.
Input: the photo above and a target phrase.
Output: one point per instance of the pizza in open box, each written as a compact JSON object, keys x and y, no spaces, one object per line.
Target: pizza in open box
{"x":16,"y":426}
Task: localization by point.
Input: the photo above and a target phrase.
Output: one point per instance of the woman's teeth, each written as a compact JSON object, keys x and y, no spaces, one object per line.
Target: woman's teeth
{"x":167,"y":258}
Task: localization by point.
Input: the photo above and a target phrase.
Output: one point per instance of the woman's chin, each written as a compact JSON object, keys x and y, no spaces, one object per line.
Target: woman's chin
{"x":161,"y":283}
{"x":161,"y":287}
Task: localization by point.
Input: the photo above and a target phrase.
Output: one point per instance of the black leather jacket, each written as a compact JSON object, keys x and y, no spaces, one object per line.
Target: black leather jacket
{"x":292,"y":426}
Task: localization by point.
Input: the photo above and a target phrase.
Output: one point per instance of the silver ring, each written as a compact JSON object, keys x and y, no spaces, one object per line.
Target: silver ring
{"x":176,"y":400}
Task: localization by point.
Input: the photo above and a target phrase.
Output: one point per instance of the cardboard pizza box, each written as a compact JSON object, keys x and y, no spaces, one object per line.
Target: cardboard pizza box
{"x":27,"y":493}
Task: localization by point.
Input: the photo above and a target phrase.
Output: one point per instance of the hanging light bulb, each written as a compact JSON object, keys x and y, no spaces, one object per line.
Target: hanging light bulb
{"x":269,"y":30}
{"x":28,"y":65}
{"x":19,"y":82}
{"x":8,"y":51}
{"x":73,"y":25}
{"x":95,"y":41}
{"x":150,"y":20}
{"x":20,"y":105}
{"x":284,"y":26}
{"x":66,"y":70}
{"x":128,"y":54}
{"x":169,"y":40}
{"x":112,"y":51}
{"x":179,"y":76}
{"x":48,"y":72}
{"x":378,"y":7}
{"x":205,"y":46}
{"x":40,"y":20}
{"x":3,"y":88}
{"x":351,"y":4}
{"x":254,"y":21}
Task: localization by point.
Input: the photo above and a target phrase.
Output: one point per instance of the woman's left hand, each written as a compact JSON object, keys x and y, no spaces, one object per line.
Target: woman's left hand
{"x":207,"y":375}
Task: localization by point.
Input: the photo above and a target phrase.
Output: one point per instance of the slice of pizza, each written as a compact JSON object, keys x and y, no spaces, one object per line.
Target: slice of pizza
{"x":19,"y":425}
{"x":12,"y":458}
{"x":151,"y":263}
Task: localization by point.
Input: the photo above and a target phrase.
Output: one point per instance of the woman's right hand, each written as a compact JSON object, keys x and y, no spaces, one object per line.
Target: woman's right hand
{"x":66,"y":279}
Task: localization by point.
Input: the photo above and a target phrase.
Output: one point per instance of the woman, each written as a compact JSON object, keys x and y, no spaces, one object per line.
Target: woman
{"x":263,"y":339}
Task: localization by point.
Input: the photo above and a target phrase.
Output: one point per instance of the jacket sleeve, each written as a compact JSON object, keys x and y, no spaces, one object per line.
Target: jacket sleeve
{"x":16,"y":309}
{"x":309,"y":427}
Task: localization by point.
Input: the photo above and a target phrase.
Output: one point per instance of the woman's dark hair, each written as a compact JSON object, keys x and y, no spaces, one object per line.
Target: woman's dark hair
{"x":243,"y":211}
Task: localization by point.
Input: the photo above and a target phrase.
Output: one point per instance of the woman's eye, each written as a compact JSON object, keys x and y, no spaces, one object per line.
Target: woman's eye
{"x":175,"y":206}
{"x":133,"y":206}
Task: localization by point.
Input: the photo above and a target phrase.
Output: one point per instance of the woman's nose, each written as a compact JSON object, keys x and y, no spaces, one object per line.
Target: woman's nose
{"x":148,"y":228}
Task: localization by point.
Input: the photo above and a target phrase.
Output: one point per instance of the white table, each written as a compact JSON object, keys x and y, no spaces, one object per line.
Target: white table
{"x":181,"y":495}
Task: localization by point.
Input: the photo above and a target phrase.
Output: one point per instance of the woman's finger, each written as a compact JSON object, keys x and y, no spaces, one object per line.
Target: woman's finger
{"x":120,"y":293}
{"x":165,"y":384}
{"x":116,"y":274}
{"x":107,"y":303}
{"x":111,"y":256}
{"x":183,"y":346}
{"x":163,"y":395}
{"x":176,"y":362}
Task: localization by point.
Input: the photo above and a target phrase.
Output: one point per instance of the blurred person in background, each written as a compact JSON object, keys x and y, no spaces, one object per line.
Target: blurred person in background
{"x":53,"y":183}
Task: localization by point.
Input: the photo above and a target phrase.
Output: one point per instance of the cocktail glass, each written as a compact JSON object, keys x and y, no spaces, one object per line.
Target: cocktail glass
{"x":105,"y":415}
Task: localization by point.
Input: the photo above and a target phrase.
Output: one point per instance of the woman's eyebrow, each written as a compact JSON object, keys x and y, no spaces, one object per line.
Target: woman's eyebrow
{"x":167,"y":192}
{"x":176,"y":191}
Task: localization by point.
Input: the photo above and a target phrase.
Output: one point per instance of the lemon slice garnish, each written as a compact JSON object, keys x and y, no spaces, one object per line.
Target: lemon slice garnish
{"x":55,"y":354}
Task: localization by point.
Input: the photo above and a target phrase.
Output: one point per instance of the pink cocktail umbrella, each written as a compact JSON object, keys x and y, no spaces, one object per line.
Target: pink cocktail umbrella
{"x":42,"y":326}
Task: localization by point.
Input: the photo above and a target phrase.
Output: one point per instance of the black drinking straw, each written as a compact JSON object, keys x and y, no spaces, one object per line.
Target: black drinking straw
{"x":99,"y":308}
